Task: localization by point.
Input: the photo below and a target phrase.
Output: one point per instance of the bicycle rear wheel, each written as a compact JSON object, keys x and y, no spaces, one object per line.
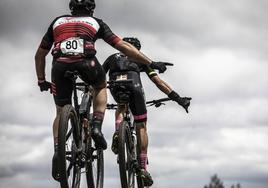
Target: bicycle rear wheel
{"x":126,"y":157}
{"x":69,"y":142}
{"x":95,"y":164}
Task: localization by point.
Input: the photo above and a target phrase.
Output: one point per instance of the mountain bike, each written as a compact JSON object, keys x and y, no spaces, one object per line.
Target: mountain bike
{"x":76,"y":149}
{"x":128,"y":148}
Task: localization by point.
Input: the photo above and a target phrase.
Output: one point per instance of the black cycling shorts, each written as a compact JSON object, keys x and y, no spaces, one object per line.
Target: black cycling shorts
{"x":90,"y":71}
{"x":137,"y":99}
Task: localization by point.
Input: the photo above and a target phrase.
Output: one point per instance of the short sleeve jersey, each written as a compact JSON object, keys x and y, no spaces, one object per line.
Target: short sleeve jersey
{"x":85,"y":27}
{"x":120,"y":63}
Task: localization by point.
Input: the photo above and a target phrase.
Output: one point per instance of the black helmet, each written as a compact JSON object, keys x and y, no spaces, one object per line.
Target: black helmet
{"x":78,"y":5}
{"x":134,"y":41}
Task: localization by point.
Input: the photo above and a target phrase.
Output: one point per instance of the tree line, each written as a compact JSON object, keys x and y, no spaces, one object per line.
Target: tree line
{"x":215,"y":182}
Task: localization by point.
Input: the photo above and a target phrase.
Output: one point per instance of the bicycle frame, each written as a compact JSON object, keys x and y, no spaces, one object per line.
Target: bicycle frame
{"x":86,"y":96}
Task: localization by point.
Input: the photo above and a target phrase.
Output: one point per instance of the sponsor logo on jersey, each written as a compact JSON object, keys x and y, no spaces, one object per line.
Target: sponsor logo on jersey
{"x":85,"y":20}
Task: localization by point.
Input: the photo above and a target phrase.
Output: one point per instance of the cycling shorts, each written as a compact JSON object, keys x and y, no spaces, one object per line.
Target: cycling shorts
{"x":90,"y":71}
{"x":137,"y":98}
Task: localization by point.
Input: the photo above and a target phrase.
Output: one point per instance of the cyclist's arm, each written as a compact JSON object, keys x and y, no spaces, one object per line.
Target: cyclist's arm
{"x":109,"y":37}
{"x":151,"y":73}
{"x":130,"y":51}
{"x":163,"y":86}
{"x":40,"y":62}
{"x":41,"y":53}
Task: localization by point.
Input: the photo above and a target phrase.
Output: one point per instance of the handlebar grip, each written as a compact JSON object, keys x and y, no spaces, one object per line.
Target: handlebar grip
{"x":169,"y":64}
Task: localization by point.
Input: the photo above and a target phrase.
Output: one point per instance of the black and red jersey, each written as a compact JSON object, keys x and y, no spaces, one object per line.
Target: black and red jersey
{"x":69,"y":33}
{"x":118,"y":62}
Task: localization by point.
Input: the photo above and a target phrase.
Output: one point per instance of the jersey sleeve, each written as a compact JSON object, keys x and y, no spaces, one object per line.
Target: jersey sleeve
{"x":106,"y":34}
{"x":47,"y":40}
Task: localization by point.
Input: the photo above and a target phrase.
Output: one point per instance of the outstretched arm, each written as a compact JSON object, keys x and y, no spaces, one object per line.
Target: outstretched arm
{"x":132,"y":52}
{"x":164,"y":87}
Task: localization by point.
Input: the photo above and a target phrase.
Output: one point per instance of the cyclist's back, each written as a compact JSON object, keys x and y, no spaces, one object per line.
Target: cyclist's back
{"x":120,"y":67}
{"x":74,"y":37}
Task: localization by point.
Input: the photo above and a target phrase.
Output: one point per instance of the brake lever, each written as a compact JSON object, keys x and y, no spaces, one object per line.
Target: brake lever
{"x":159,"y":104}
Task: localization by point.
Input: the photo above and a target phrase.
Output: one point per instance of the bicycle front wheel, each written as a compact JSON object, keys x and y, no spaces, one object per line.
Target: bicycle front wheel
{"x":126,"y":156}
{"x":69,"y":142}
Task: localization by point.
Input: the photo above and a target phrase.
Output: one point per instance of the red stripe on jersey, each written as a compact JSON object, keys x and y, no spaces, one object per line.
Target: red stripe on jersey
{"x":113,"y":40}
{"x":70,"y":59}
{"x":77,"y":24}
{"x":72,"y":30}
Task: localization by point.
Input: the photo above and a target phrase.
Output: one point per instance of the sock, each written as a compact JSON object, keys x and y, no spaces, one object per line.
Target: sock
{"x":143,"y":160}
{"x":97,"y":118}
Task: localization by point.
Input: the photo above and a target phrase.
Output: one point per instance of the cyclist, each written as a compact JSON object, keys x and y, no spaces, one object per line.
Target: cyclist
{"x":74,"y":39}
{"x":121,"y":67}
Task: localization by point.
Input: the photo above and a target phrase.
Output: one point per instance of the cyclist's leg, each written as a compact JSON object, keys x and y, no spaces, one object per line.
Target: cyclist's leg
{"x":138,"y":108}
{"x":119,"y":115}
{"x":62,"y":92}
{"x":121,"y":107}
{"x":93,"y":73}
{"x":142,"y":138}
{"x":139,"y":111}
{"x":56,"y":125}
{"x":118,"y":119}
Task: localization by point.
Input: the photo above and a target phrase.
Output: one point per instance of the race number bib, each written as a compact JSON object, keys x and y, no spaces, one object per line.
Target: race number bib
{"x":72,"y":46}
{"x":121,"y":77}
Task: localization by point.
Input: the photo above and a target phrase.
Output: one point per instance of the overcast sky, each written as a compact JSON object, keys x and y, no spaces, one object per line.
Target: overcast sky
{"x":220,"y":51}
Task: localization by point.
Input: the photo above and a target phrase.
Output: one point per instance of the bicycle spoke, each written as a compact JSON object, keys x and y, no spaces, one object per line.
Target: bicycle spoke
{"x":95,"y":167}
{"x":69,"y":133}
{"x":76,"y":180}
{"x":69,"y":169}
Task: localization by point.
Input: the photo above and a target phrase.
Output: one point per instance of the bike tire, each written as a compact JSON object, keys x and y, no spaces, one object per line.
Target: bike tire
{"x":68,"y":138}
{"x":126,"y":155}
{"x":95,"y":164}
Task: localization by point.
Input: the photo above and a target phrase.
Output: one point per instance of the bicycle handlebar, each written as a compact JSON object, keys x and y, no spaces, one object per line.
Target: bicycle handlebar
{"x":157,"y":103}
